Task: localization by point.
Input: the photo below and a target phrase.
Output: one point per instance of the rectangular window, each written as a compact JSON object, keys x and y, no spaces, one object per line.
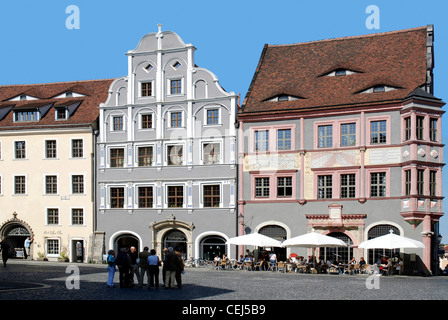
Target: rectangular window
{"x":61,"y":113}
{"x":262,"y":187}
{"x":146,"y":121}
{"x":51,"y":184}
{"x":175,"y":155}
{"x":284,"y":139}
{"x":433,"y":183}
{"x":78,"y":184}
{"x":419,"y":127}
{"x":50,"y":149}
{"x":117,"y":197}
{"x":420,"y":182}
{"x":284,"y":187}
{"x":407,"y":182}
{"x":145,"y":156}
{"x":175,"y":196}
{"x":433,"y":129}
{"x":145,"y":197}
{"x":52,"y":246}
{"x":325,"y":187}
{"x":77,"y":148}
{"x":26,"y":116}
{"x":348,"y":185}
{"x":348,"y":134}
{"x":262,"y":140}
{"x":212,"y":196}
{"x":325,"y":135}
{"x":407,"y":128}
{"x":146,"y":89}
{"x":378,"y":132}
{"x":211,"y":153}
{"x":118,"y":123}
{"x":20,"y":151}
{"x":176,"y":119}
{"x":52,"y":216}
{"x":213,"y":116}
{"x":77,"y":216}
{"x":19,"y":185}
{"x":116,"y":158}
{"x":176,"y":86}
{"x":378,"y":184}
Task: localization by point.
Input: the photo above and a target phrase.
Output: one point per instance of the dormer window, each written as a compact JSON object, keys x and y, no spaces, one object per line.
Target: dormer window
{"x":26,"y":115}
{"x":23,"y":97}
{"x":61,"y":113}
{"x":69,"y":94}
{"x":341,"y":72}
{"x":379,"y":89}
{"x":284,"y":97}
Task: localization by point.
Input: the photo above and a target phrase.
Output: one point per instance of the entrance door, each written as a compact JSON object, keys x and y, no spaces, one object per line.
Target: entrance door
{"x":277,"y":233}
{"x":212,"y":246}
{"x":177,"y":240}
{"x":126,"y":241}
{"x":16,"y":236}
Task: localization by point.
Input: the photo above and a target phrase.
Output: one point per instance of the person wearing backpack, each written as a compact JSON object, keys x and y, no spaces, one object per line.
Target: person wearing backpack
{"x":110,"y":268}
{"x":124,"y":267}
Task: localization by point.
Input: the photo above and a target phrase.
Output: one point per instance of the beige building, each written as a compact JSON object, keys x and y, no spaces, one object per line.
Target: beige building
{"x":47,"y":138}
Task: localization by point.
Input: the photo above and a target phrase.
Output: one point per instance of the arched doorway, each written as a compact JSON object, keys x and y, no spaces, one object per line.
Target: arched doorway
{"x":373,"y":255}
{"x":126,"y":241}
{"x":16,"y":235}
{"x":278,"y":233}
{"x":345,"y":254}
{"x":212,"y":246}
{"x":177,"y":240}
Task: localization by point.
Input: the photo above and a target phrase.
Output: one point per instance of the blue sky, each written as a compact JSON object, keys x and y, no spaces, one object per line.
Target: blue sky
{"x":229,"y":36}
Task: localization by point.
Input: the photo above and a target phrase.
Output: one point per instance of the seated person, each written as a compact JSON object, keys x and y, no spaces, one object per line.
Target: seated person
{"x":217,"y":260}
{"x":399,"y":266}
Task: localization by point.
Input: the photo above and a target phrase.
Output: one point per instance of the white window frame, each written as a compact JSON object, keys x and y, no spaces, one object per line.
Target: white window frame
{"x":220,"y":142}
{"x":45,"y":149}
{"x":83,"y":148}
{"x":140,"y":145}
{"x":54,"y":255}
{"x":59,"y":216}
{"x":83,"y":220}
{"x":173,"y":143}
{"x":201,"y":193}
{"x":182,"y":86}
{"x":206,"y":109}
{"x":139,"y":95}
{"x":84,"y":184}
{"x":154,"y":194}
{"x":184,"y":196}
{"x":14,"y":149}
{"x":140,"y":122}
{"x":45,"y":184}
{"x":13,"y":182}
{"x":108,"y":194}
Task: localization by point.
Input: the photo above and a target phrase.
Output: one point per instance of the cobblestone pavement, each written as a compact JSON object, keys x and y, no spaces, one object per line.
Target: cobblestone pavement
{"x":35,"y":280}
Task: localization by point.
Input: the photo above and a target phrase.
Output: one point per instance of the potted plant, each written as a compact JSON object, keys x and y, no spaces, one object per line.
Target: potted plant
{"x":63,"y":256}
{"x":41,"y":257}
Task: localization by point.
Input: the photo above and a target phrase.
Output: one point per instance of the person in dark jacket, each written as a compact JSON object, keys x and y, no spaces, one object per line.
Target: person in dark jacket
{"x":123,"y":262}
{"x":5,"y":251}
{"x":172,"y":264}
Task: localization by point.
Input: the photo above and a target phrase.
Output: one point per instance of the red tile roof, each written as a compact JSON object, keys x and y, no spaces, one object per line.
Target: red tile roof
{"x":94,"y":91}
{"x":396,"y":59}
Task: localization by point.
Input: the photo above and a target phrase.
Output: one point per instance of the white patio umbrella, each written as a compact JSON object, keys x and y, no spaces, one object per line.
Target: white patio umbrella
{"x":313,"y":240}
{"x":391,"y":241}
{"x":254,"y":239}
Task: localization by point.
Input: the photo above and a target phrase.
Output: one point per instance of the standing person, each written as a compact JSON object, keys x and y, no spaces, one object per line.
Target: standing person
{"x":134,"y":267}
{"x":172,"y":263}
{"x":179,"y":270}
{"x":27,"y":245}
{"x":123,"y":262}
{"x":165,"y":252}
{"x":153,"y":263}
{"x":5,"y":251}
{"x":110,"y":268}
{"x":143,"y":265}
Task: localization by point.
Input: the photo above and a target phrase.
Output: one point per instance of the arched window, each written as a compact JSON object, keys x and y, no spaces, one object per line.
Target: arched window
{"x":177,"y":240}
{"x":212,"y":246}
{"x":277,"y":233}
{"x":344,"y":254}
{"x":377,"y":231}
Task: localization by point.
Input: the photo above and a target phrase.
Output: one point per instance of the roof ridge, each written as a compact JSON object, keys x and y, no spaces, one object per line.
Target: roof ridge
{"x":350,"y":37}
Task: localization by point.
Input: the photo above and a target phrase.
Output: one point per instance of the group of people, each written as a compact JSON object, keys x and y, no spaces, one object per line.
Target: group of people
{"x":133,"y":266}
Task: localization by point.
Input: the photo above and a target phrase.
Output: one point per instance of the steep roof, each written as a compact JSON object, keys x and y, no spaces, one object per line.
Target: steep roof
{"x":395,"y":59}
{"x":83,"y":107}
